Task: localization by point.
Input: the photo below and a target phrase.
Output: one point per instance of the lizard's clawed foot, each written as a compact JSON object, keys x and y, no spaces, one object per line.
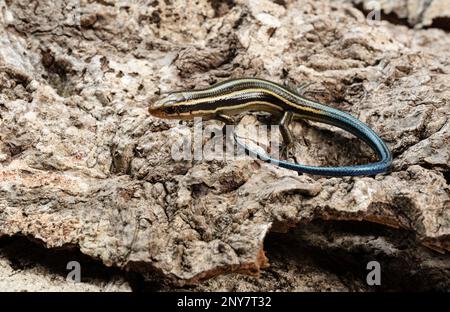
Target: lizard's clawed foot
{"x":289,"y":151}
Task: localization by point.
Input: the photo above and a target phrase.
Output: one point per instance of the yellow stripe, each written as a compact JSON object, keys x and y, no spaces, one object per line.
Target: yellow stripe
{"x":223,"y":96}
{"x":235,"y":107}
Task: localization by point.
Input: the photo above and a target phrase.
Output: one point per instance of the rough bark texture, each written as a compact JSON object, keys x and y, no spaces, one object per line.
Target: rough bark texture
{"x":84,"y":167}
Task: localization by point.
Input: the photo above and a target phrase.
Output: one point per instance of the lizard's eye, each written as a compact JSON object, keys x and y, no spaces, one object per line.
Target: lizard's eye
{"x":170,"y":110}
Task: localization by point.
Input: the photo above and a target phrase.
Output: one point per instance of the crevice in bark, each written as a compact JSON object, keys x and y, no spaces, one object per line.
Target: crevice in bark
{"x":221,"y":7}
{"x":344,"y":248}
{"x":26,"y":253}
{"x":447,"y":176}
{"x":438,"y":22}
{"x":58,"y":74}
{"x":389,"y":17}
{"x":441,"y":22}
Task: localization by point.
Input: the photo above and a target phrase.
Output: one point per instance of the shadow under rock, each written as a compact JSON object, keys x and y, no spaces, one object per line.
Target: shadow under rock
{"x":26,"y":253}
{"x":344,"y":248}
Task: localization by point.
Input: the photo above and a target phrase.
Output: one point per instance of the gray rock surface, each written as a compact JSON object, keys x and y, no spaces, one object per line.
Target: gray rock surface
{"x":83,"y":165}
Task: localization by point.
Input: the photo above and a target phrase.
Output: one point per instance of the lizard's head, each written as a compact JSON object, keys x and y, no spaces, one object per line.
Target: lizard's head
{"x":170,"y":106}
